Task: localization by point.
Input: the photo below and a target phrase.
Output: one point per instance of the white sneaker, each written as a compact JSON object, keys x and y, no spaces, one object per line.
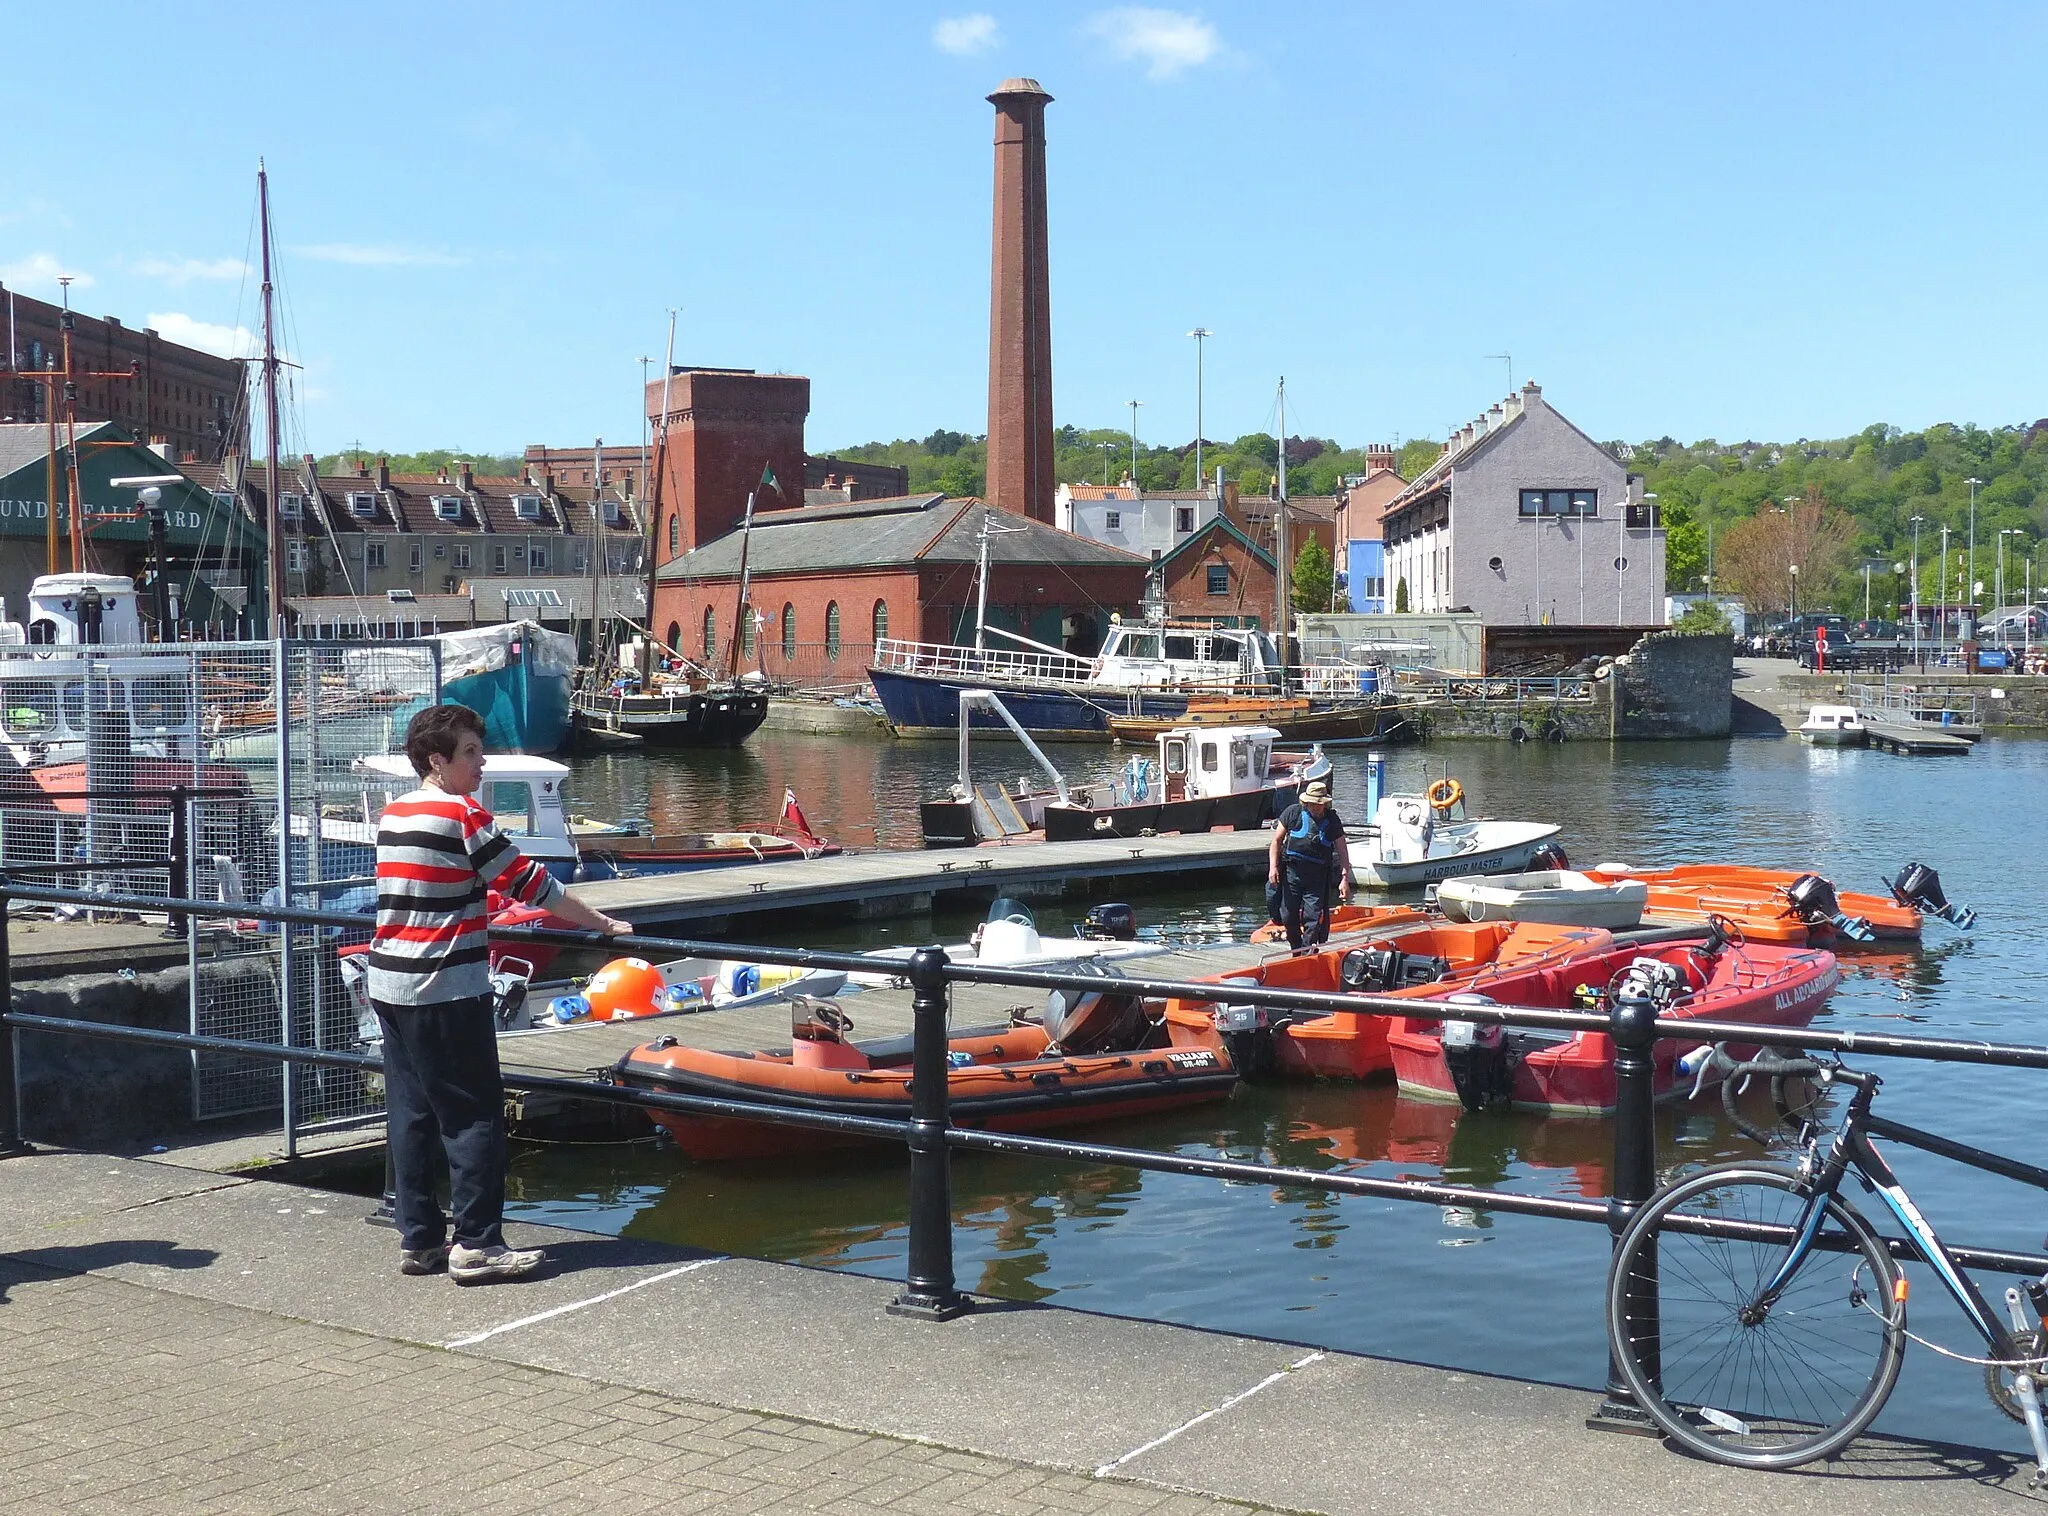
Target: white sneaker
{"x":468,"y":1265}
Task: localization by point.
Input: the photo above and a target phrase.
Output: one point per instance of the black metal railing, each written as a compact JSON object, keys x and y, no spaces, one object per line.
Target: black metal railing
{"x":929,"y":1285}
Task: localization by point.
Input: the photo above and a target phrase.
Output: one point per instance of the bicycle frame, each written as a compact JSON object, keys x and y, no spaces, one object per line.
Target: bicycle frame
{"x":1853,"y":1149}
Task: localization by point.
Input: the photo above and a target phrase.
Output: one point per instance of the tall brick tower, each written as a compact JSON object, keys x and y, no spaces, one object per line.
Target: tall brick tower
{"x":1020,"y":471}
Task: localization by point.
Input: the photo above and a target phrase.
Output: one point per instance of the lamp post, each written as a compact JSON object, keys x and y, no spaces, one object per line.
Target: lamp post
{"x":1199,"y":333}
{"x":1134,"y":441}
{"x":1941,"y":587}
{"x":1793,"y":609}
{"x":1973,"y":482}
{"x":1109,"y":450}
{"x":1998,"y":606}
{"x":1916,"y":587}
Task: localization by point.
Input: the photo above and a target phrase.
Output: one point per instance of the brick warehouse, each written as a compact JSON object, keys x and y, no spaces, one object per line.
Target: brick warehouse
{"x":828,"y":581}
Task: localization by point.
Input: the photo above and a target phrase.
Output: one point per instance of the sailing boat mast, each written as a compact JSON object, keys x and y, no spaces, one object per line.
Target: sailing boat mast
{"x":739,"y":623}
{"x":668,"y":368}
{"x":274,"y":568}
{"x":596,"y":553}
{"x":981,"y":590}
{"x":1283,"y":619}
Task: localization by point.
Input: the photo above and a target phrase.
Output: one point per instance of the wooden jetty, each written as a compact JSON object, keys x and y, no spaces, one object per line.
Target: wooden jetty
{"x":869,"y":886}
{"x":1911,"y":737}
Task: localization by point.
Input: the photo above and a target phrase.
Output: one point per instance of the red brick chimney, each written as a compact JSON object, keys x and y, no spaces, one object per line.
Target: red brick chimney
{"x":1020,"y":464}
{"x":1379,"y":458}
{"x":725,"y":426}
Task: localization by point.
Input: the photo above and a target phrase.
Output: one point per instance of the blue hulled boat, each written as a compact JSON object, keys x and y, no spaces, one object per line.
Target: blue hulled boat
{"x":518,"y":677}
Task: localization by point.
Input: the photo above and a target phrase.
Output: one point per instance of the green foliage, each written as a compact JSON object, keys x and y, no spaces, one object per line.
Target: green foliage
{"x":490,"y":465}
{"x":1311,"y":581}
{"x":1401,"y":596}
{"x":1702,"y":616}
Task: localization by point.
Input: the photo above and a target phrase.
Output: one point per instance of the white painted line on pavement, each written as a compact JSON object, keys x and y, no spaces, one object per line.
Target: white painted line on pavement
{"x":1194,"y":1421}
{"x":564,"y":1310}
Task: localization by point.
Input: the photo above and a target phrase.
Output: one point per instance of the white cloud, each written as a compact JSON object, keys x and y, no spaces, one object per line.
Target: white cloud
{"x":41,"y":270}
{"x":207,"y":336}
{"x":373,"y":255}
{"x":185,"y":270}
{"x":1166,"y":41}
{"x":966,"y":35}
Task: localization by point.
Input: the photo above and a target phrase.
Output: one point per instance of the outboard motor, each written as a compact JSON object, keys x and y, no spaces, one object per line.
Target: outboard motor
{"x":1095,"y":1021}
{"x":1548,"y":856}
{"x":1247,"y":1033}
{"x":1814,"y":902}
{"x":1110,"y":923}
{"x":1480,"y":1062}
{"x":1920,"y":887}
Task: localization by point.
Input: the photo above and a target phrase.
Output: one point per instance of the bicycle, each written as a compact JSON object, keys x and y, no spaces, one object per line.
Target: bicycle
{"x":1760,"y":1321}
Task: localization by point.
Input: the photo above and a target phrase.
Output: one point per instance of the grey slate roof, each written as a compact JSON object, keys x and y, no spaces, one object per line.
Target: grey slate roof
{"x":891,"y":533}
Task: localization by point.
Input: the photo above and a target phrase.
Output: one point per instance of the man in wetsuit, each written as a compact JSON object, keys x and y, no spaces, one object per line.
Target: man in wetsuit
{"x":1308,"y":862}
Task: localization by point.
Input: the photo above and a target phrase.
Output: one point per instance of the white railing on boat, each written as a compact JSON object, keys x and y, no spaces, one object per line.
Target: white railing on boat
{"x":1328,"y":677}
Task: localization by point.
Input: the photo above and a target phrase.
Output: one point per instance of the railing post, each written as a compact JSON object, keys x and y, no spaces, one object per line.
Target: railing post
{"x":11,"y":1145}
{"x":928,"y":1286}
{"x":1633,"y":1021}
{"x":181,"y":856}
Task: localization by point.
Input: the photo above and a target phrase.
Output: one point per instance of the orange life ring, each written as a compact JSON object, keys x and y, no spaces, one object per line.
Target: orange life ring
{"x":1445,"y":793}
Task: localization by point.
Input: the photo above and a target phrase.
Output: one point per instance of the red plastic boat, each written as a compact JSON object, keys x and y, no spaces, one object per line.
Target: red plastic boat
{"x":1448,"y":1059}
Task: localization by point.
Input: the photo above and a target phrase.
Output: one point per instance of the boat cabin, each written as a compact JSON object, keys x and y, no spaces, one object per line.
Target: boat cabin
{"x":523,"y":792}
{"x":1201,"y":763}
{"x":1164,"y":654}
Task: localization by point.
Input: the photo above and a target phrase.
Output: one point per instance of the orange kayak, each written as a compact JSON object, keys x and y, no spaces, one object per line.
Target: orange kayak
{"x":1436,"y":955}
{"x":1764,"y":904}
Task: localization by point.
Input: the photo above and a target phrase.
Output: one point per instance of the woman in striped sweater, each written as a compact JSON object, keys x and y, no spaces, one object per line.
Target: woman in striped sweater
{"x":439,"y":854}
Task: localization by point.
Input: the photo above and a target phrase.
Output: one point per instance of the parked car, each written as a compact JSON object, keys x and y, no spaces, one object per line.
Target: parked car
{"x":1878,"y":630}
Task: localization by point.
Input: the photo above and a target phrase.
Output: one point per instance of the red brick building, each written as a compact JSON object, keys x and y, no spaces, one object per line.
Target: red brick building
{"x":827,"y":582}
{"x":1219,"y":574}
{"x":192,"y":400}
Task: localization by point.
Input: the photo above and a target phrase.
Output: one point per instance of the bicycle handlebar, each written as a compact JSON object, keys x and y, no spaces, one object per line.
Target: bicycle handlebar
{"x":1736,"y":1074}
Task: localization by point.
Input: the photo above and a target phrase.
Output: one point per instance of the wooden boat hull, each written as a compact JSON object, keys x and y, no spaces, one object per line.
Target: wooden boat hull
{"x":1353,"y":1044}
{"x":721,"y":717}
{"x":1766,"y":986}
{"x":1012,"y":1085}
{"x":627,"y":857}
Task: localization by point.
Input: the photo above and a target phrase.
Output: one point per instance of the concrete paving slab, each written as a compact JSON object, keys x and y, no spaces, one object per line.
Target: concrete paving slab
{"x":1031,"y":1382}
{"x":1369,"y":1436}
{"x":52,"y":1189}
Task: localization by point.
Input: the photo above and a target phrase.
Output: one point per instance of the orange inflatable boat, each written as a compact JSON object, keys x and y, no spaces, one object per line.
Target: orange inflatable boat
{"x":1769,"y":905}
{"x":1027,"y":1077}
{"x":1436,"y":954}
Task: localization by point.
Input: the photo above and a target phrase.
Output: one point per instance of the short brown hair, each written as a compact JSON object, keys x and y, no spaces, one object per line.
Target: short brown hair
{"x":436,"y":730}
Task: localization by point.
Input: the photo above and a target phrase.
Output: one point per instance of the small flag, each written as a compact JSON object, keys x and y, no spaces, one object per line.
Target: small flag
{"x":793,"y":816}
{"x":769,"y":480}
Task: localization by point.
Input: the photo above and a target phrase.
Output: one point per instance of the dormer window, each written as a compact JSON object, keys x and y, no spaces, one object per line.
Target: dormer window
{"x":526,"y":507}
{"x":614,"y":513}
{"x":363,"y":505}
{"x":291,"y":507}
{"x":447,"y":507}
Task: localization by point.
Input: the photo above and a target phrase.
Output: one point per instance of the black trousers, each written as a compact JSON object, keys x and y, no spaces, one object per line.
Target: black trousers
{"x":1305,"y":901}
{"x":441,"y":1089}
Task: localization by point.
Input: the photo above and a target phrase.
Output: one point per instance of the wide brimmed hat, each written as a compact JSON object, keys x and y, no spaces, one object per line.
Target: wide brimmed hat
{"x":1316,"y":791}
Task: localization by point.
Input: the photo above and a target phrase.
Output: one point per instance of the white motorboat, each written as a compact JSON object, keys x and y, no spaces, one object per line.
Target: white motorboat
{"x":1833,"y":726}
{"x":1010,"y":938}
{"x":1415,"y":840}
{"x":1559,"y":897}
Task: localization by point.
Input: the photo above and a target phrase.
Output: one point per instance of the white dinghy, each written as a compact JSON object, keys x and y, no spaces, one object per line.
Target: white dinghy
{"x":1558,"y":897}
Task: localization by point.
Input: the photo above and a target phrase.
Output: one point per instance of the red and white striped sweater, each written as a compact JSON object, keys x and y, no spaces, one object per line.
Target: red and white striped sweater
{"x":438,"y":857}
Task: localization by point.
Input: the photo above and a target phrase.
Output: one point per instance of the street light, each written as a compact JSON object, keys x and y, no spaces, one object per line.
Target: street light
{"x":1916,"y":587}
{"x":1794,"y":608}
{"x":1199,"y":333}
{"x":1973,"y":482}
{"x":1134,"y":442}
{"x":1109,"y":450}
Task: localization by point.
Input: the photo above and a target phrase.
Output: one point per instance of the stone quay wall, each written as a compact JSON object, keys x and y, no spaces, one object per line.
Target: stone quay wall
{"x":2017,"y":701}
{"x":1669,"y":685}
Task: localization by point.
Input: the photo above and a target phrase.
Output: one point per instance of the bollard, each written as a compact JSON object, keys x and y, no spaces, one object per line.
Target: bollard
{"x":1635,"y":1179}
{"x":928,"y":1286}
{"x":11,"y":1145}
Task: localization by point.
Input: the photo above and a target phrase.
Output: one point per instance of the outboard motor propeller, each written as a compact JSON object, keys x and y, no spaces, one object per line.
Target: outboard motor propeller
{"x":1920,"y":887}
{"x":1480,"y":1062}
{"x":1110,"y":923}
{"x":1814,"y":901}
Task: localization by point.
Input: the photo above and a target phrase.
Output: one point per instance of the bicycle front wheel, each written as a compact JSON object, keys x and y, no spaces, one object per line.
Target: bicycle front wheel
{"x":1761,"y":1386}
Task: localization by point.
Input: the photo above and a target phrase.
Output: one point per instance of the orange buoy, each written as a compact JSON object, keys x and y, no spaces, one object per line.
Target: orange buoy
{"x":625,"y":988}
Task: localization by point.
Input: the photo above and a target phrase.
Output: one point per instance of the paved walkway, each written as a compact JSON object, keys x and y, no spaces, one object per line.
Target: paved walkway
{"x":178,"y":1341}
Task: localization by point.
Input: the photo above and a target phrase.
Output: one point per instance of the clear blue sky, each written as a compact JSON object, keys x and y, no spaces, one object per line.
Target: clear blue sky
{"x":1740,"y":221}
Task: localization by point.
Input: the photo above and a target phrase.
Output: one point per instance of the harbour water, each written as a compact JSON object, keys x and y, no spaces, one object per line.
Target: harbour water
{"x":1505,"y":1295}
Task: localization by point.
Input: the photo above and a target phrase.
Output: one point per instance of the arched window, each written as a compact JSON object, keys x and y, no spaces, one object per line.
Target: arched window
{"x":832,"y":631}
{"x":788,"y":630}
{"x":710,"y":633}
{"x":675,"y":638}
{"x":881,"y":619}
{"x":747,"y":626}
{"x":675,"y":532}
